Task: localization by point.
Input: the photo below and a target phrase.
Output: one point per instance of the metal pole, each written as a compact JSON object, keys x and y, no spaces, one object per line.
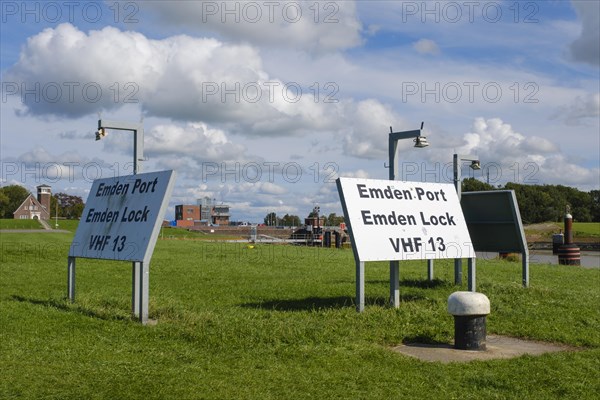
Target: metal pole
{"x":138,"y":149}
{"x":395,"y":284}
{"x":394,"y":265}
{"x":430,"y":270}
{"x":393,"y":139}
{"x":457,"y":186}
{"x":71,"y":278}
{"x":135,"y":288}
{"x":139,"y":270}
{"x":144,"y":290}
{"x":525,"y":262}
{"x":457,"y":173}
{"x":471,"y":272}
{"x":360,"y":286}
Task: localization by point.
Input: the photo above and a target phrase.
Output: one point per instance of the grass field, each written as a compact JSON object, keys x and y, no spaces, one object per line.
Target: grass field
{"x":544,"y":231}
{"x":277,"y":322}
{"x":586,"y":229}
{"x":20,"y":224}
{"x":65,"y":224}
{"x":182,"y":233}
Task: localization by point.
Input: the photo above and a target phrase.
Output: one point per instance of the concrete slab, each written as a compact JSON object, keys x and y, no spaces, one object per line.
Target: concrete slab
{"x":498,"y":347}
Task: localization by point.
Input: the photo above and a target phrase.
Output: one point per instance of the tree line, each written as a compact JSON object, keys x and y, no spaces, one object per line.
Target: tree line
{"x":544,"y":203}
{"x":12,"y":196}
{"x":537,"y":203}
{"x":271,"y":219}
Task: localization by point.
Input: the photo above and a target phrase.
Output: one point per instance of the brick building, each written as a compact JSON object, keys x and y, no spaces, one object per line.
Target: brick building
{"x":186,"y":214}
{"x":35,"y":208}
{"x":204,"y":213}
{"x":220,"y":214}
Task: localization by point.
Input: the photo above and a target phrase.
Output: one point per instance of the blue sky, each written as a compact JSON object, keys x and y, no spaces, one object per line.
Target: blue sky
{"x":262,"y":105}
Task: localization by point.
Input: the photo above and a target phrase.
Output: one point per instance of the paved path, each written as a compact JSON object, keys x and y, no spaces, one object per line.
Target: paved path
{"x":45,"y":224}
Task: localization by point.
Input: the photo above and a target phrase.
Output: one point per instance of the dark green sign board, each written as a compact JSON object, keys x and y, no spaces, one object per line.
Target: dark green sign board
{"x":494,"y":224}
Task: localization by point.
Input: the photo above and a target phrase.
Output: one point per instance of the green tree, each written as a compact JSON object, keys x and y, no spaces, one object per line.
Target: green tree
{"x":334,"y":220}
{"x":541,"y":203}
{"x":290,"y":220}
{"x":595,"y":205}
{"x":4,"y":200}
{"x":271,"y":219}
{"x":15,"y":194}
{"x":68,"y":206}
{"x":474,"y":185}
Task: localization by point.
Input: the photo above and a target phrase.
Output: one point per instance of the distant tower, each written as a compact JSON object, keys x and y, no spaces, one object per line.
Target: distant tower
{"x":44,"y":193}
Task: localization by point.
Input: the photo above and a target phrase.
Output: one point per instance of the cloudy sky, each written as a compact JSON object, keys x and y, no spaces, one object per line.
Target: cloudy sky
{"x":261,"y":105}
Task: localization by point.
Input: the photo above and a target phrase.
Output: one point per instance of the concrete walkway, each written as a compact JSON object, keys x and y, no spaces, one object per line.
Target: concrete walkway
{"x":45,"y":224}
{"x":497,"y":347}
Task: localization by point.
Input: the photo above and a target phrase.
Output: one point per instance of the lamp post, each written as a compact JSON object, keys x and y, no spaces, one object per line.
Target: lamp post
{"x":140,"y":278}
{"x":138,"y":138}
{"x":56,"y":216}
{"x":420,"y":142}
{"x":475,"y":165}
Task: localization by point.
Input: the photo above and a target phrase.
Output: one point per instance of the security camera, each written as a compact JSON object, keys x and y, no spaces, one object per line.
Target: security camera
{"x":100,"y":133}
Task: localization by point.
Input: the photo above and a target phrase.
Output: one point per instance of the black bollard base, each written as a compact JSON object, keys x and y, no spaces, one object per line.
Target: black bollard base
{"x":469,"y":332}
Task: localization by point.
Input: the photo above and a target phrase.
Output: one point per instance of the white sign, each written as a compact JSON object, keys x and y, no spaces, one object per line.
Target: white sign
{"x":393,"y":220}
{"x":122,"y":217}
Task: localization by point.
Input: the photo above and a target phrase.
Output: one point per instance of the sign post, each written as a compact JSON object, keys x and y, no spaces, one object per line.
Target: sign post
{"x":397,"y":221}
{"x":121,"y":221}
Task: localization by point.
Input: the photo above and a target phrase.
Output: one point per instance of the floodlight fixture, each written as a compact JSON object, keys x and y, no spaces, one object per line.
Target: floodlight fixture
{"x":475,"y":165}
{"x":393,"y":138}
{"x":421,"y":142}
{"x":100,"y":133}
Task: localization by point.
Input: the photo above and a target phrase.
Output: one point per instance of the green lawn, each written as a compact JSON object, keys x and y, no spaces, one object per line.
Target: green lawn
{"x":586,"y":229}
{"x":20,"y":224}
{"x":65,"y":224}
{"x":277,"y":322}
{"x":183,"y":233}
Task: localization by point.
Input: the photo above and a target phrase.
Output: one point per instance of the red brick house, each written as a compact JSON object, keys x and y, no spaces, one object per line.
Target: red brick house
{"x":207,"y":213}
{"x":187,"y":212}
{"x":32,"y":208}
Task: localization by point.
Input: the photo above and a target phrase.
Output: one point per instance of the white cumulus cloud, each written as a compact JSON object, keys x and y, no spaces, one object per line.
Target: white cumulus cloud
{"x":179,"y":77}
{"x":523,"y":158}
